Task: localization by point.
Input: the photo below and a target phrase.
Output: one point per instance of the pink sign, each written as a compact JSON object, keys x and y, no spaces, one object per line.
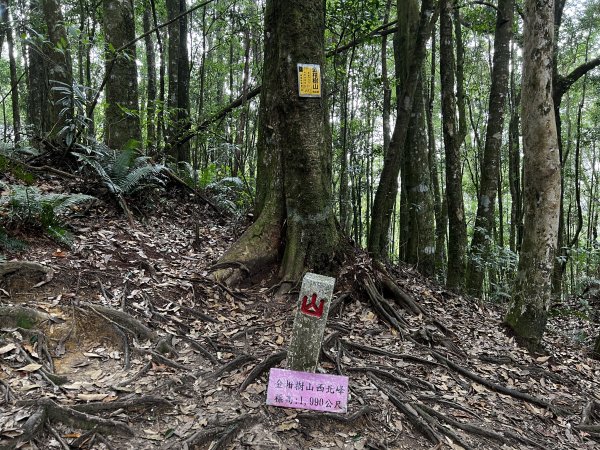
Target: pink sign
{"x":305,"y":390}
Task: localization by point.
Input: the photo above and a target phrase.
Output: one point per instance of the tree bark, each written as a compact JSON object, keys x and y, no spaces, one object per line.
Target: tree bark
{"x":122,"y":129}
{"x":527,"y":312}
{"x":60,"y":69}
{"x":179,"y":83}
{"x":457,"y":236}
{"x":484,"y":221}
{"x":293,"y":202}
{"x":37,"y":77}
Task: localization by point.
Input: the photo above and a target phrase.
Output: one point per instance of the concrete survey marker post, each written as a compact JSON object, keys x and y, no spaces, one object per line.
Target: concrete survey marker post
{"x":309,"y":323}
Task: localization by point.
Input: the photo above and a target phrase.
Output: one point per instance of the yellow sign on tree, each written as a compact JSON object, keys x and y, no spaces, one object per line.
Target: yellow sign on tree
{"x":309,"y":80}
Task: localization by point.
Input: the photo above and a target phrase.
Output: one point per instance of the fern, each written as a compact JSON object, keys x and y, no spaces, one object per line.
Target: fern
{"x":123,"y":172}
{"x":26,"y":205}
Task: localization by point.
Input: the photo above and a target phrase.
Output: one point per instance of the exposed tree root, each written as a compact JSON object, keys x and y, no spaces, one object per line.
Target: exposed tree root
{"x":21,"y":316}
{"x":590,"y":412}
{"x":378,"y":351}
{"x":409,"y":412}
{"x":47,"y":409}
{"x":348,"y":420}
{"x":225,"y":432}
{"x":262,"y":367}
{"x":498,"y":387}
{"x":143,"y":371}
{"x":231,"y":365}
{"x":124,"y":320}
{"x":28,"y":267}
{"x":8,"y":394}
{"x":378,"y":302}
{"x":160,"y":359}
{"x":257,"y":247}
{"x":146,"y":401}
{"x":54,"y":380}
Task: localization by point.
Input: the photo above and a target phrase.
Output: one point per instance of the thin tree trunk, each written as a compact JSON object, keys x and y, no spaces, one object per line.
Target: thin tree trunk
{"x":457,"y":237}
{"x":14,"y":82}
{"x":490,"y":169}
{"x":238,"y":162}
{"x":151,"y":82}
{"x":387,"y":90}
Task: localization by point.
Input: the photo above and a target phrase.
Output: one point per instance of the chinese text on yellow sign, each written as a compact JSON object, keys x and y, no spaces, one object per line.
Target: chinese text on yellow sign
{"x":309,"y":80}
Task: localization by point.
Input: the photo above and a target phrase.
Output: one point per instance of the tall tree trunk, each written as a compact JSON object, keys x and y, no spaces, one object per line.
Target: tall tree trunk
{"x":294,"y":157}
{"x":13,"y":75}
{"x":344,"y":194}
{"x":484,"y":221}
{"x":420,"y":242}
{"x":387,"y":90}
{"x":404,"y":41}
{"x":387,"y":190}
{"x":60,"y":69}
{"x":457,"y":237}
{"x":37,"y":76}
{"x":122,"y":129}
{"x":179,"y":83}
{"x":238,"y":160}
{"x":514,"y":167}
{"x":441,"y":219}
{"x":527,"y":313}
{"x":151,"y":80}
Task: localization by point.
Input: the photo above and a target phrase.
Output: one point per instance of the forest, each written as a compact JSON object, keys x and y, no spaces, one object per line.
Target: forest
{"x":171,"y":171}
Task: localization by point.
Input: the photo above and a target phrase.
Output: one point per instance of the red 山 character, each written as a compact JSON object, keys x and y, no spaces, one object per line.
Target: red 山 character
{"x":311,"y":308}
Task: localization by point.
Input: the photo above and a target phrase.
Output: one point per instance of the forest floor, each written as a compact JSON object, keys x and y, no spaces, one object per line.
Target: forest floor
{"x":122,"y":341}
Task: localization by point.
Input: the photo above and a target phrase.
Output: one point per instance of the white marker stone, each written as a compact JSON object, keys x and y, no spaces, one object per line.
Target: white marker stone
{"x":309,"y":324}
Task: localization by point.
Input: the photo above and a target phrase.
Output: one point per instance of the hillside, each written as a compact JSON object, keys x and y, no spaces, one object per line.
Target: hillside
{"x":123,"y":341}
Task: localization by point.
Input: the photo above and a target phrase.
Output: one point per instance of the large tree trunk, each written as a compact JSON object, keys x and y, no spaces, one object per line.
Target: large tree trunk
{"x":37,"y":78}
{"x":60,"y":69}
{"x":294,"y":154}
{"x":457,"y":236}
{"x":527,"y":313}
{"x":490,"y":173}
{"x":385,"y":197}
{"x":122,"y":111}
{"x":417,"y":226}
{"x":179,"y":83}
